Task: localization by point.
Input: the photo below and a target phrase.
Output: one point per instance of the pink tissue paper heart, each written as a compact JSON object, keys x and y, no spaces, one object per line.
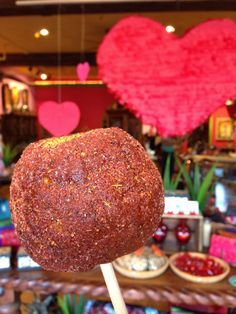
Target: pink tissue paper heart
{"x":59,"y":118}
{"x":82,"y":71}
{"x":171,"y":83}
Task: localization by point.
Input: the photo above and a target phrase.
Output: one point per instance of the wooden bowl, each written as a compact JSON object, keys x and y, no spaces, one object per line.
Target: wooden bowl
{"x":199,"y":279}
{"x":232,"y":155}
{"x":141,"y":274}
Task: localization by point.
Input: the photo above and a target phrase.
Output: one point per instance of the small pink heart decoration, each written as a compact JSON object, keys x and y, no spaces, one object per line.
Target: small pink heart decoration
{"x":59,"y":118}
{"x":171,"y":83}
{"x":82,"y":70}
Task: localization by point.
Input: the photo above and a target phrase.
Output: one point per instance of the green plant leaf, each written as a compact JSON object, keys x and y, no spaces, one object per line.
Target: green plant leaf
{"x":176,"y":181}
{"x":166,"y":179}
{"x":187,"y":179}
{"x":69,"y":305}
{"x":80,"y":305}
{"x":196,"y":179}
{"x":67,"y":298}
{"x":9,"y":154}
{"x":204,"y":202}
{"x":73,"y":303}
{"x":205,"y":186}
{"x":209,"y":194}
{"x":62,"y":304}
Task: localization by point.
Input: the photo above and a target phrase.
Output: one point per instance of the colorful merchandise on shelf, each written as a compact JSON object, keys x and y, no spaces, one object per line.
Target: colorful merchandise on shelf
{"x":223,"y":247}
{"x":207,"y":227}
{"x":4,"y":209}
{"x":180,"y":205}
{"x":8,"y":236}
{"x":182,"y":233}
{"x":147,"y":262}
{"x":97,"y":307}
{"x":198,"y":309}
{"x":24,"y":261}
{"x":199,"y":267}
{"x":194,"y":222}
{"x":5,"y":223}
{"x":5,"y":258}
{"x":161,"y":233}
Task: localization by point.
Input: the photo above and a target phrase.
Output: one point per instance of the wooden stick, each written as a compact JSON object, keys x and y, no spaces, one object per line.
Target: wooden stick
{"x":113,"y":288}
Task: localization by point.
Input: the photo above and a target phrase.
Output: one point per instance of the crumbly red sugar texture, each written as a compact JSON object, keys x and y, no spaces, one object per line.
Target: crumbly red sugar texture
{"x":85,"y":199}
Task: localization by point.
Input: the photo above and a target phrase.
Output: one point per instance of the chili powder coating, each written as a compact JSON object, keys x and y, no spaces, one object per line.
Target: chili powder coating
{"x":85,"y":199}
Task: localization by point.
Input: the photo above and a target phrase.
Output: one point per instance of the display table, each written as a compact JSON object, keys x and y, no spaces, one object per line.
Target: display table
{"x":214,"y":158}
{"x":167,"y":287}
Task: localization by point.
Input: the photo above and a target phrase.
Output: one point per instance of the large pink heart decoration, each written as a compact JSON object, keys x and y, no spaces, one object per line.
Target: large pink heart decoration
{"x":82,"y":70}
{"x":171,"y":83}
{"x":59,"y":119}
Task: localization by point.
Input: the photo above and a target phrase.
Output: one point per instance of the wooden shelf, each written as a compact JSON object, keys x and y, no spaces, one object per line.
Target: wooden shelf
{"x":214,"y":158}
{"x":182,"y":216}
{"x":168,"y":287}
{"x":19,"y":113}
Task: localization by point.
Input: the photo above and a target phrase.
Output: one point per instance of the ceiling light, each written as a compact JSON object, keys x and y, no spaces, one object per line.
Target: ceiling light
{"x":229,"y":102}
{"x":36,"y":35}
{"x":43,"y":76}
{"x":44,"y":32}
{"x":170,"y":29}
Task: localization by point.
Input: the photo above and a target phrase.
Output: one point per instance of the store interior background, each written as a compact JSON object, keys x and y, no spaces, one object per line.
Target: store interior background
{"x":27,"y":58}
{"x":75,"y":33}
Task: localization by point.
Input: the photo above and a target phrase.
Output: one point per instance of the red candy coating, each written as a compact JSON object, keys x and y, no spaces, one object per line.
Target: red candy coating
{"x":85,"y":199}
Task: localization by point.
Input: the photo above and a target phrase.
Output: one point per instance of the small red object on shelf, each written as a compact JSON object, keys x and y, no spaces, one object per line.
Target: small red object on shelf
{"x":182,"y":232}
{"x":161,"y":233}
{"x":198,"y":266}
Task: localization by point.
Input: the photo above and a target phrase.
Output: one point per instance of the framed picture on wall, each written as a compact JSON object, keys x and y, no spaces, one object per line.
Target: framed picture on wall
{"x":24,"y":100}
{"x":15,"y":98}
{"x":224,"y":129}
{"x":6,"y":98}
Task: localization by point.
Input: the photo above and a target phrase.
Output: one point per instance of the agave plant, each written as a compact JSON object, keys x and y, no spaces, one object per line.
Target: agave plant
{"x":38,"y":306}
{"x":71,"y":304}
{"x":170,"y":184}
{"x":200,"y":188}
{"x":8,"y":154}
